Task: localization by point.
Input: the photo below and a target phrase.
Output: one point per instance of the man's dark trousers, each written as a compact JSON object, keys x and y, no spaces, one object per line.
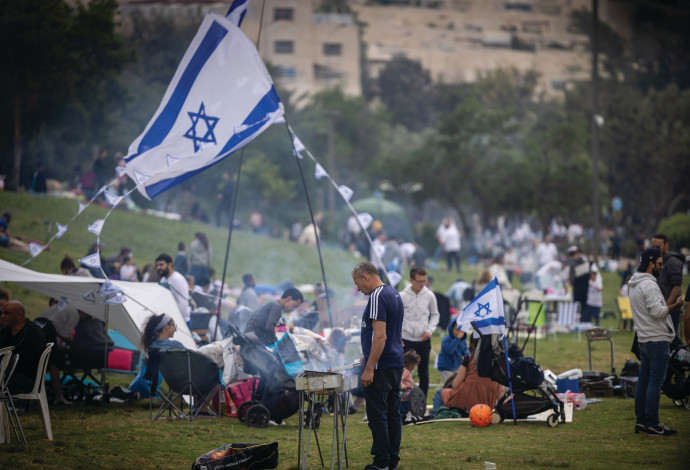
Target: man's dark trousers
{"x":383,"y":413}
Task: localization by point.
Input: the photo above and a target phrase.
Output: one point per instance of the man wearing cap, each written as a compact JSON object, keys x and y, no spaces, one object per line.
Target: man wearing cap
{"x":654,"y":330}
{"x":579,"y":275}
{"x":671,"y":275}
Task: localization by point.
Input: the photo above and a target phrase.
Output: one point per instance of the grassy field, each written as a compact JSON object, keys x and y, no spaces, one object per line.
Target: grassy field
{"x":120,"y":436}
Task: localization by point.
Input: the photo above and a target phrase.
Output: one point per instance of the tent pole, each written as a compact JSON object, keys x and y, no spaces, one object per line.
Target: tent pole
{"x":105,"y":398}
{"x":311,"y":216}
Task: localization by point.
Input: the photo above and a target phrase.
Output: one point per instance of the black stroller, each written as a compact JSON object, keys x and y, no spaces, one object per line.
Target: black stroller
{"x":275,"y":397}
{"x":677,"y":386}
{"x":531,"y":394}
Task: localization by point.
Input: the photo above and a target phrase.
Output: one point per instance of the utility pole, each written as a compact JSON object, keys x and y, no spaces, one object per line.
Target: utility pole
{"x":594,"y":127}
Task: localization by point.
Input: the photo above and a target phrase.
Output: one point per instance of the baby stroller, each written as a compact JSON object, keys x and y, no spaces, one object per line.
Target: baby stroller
{"x":531,"y":394}
{"x":677,"y":386}
{"x":273,"y":396}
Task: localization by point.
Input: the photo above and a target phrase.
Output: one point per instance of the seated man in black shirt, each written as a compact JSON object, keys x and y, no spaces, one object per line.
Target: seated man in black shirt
{"x":28,"y":341}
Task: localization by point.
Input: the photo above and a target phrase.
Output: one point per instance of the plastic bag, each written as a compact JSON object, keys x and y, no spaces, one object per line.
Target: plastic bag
{"x":239,"y":456}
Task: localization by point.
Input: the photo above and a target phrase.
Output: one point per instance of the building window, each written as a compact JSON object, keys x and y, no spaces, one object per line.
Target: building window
{"x":284,"y":72}
{"x":322,"y":72}
{"x":332,"y":48}
{"x":283,"y":14}
{"x":284,"y":47}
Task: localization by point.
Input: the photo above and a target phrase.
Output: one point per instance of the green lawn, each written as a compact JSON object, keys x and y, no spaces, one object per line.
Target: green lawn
{"x":120,"y":436}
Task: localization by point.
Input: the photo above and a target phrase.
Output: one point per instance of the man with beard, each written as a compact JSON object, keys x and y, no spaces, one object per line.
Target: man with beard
{"x":654,"y":330}
{"x":671,"y":275}
{"x":175,"y":282}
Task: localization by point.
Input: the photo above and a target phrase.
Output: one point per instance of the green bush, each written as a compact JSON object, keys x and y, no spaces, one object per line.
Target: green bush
{"x":677,"y":229}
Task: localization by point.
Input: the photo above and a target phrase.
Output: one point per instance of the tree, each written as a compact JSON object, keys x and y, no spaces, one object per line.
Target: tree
{"x":57,"y":60}
{"x":404,"y":87}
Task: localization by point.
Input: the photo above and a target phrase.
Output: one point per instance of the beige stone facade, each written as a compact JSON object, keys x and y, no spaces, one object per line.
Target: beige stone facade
{"x":453,"y":39}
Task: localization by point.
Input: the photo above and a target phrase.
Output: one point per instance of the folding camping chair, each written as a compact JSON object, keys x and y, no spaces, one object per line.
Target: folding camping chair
{"x":569,"y":317}
{"x":625,"y":312}
{"x":536,"y":320}
{"x":190,"y":375}
{"x":7,"y":364}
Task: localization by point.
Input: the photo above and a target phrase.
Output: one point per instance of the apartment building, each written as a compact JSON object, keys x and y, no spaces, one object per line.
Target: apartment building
{"x":311,"y":48}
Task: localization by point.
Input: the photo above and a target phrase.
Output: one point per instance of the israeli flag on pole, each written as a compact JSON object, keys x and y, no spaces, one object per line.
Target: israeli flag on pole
{"x":237,"y":11}
{"x":220,"y":98}
{"x":486,"y":311}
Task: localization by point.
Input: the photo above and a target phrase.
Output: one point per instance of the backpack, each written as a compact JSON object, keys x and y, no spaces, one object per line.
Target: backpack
{"x":526,"y":370}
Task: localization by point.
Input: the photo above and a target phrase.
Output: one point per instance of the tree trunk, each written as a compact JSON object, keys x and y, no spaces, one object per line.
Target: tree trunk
{"x":17,"y":143}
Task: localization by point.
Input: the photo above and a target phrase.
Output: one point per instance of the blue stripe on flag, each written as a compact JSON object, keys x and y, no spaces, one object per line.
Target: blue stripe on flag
{"x":500,"y":321}
{"x":232,"y":13}
{"x":490,"y":286}
{"x":160,"y":129}
{"x":268,"y":104}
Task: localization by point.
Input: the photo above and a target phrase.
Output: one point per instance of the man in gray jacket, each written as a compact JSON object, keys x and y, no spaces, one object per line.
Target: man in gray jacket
{"x":419,"y":322}
{"x":654,"y":331}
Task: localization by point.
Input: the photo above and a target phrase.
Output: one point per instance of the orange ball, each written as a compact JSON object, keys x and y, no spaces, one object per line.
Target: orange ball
{"x":480,"y":415}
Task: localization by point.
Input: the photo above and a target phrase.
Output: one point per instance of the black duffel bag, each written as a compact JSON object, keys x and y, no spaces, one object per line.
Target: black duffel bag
{"x":239,"y":456}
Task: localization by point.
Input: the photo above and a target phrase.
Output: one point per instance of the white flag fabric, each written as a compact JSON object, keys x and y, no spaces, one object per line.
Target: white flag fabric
{"x":111,"y":198}
{"x":345,"y":192}
{"x":486,"y":311}
{"x":320,"y":172}
{"x":82,"y":206}
{"x":379,"y":250}
{"x":92,"y":261}
{"x":237,"y":11}
{"x":220,"y":98}
{"x":35,"y":249}
{"x":394,"y":278}
{"x":61,"y":229}
{"x":96,"y":227}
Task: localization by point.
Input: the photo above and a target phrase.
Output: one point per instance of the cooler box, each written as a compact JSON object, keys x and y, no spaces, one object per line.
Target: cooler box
{"x":564,"y":385}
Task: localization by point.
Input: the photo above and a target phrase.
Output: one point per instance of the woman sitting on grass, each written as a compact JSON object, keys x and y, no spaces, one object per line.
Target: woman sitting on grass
{"x":468,"y":388}
{"x":158,"y":332}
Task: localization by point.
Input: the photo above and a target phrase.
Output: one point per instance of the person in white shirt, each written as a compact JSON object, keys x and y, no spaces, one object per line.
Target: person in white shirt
{"x":546,"y":251}
{"x":419,"y":322}
{"x":448,"y":237}
{"x":175,"y":282}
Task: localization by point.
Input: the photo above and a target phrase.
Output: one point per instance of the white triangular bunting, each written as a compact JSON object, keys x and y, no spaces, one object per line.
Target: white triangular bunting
{"x":115,"y":300}
{"x":82,"y":206}
{"x":365,"y":219}
{"x":112,"y":199}
{"x":345,"y":192}
{"x":96,"y":227}
{"x":61,"y":229}
{"x":393,"y":277}
{"x":35,"y":249}
{"x":92,"y":261}
{"x":89,"y":297}
{"x":320,"y":172}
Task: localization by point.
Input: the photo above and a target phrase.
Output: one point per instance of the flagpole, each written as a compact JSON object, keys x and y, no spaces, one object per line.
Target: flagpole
{"x":316,"y":231}
{"x":227,"y":246}
{"x":510,"y":380}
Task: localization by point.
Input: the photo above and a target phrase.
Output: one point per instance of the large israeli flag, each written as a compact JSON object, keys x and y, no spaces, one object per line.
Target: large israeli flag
{"x":485,"y":311}
{"x":220,"y":98}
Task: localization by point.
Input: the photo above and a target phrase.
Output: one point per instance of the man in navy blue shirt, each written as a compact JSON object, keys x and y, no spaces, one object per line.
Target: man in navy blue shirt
{"x":383,"y":364}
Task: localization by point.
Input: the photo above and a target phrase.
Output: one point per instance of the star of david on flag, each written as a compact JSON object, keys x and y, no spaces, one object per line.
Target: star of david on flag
{"x":485,"y":311}
{"x":208,"y":124}
{"x":220,"y":98}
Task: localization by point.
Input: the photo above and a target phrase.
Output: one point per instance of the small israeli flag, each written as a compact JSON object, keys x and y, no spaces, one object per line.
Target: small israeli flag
{"x":96,"y":227}
{"x":92,"y":261}
{"x":345,"y":192}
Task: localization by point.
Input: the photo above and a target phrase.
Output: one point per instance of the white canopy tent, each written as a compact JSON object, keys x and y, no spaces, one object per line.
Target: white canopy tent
{"x":143,"y":299}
